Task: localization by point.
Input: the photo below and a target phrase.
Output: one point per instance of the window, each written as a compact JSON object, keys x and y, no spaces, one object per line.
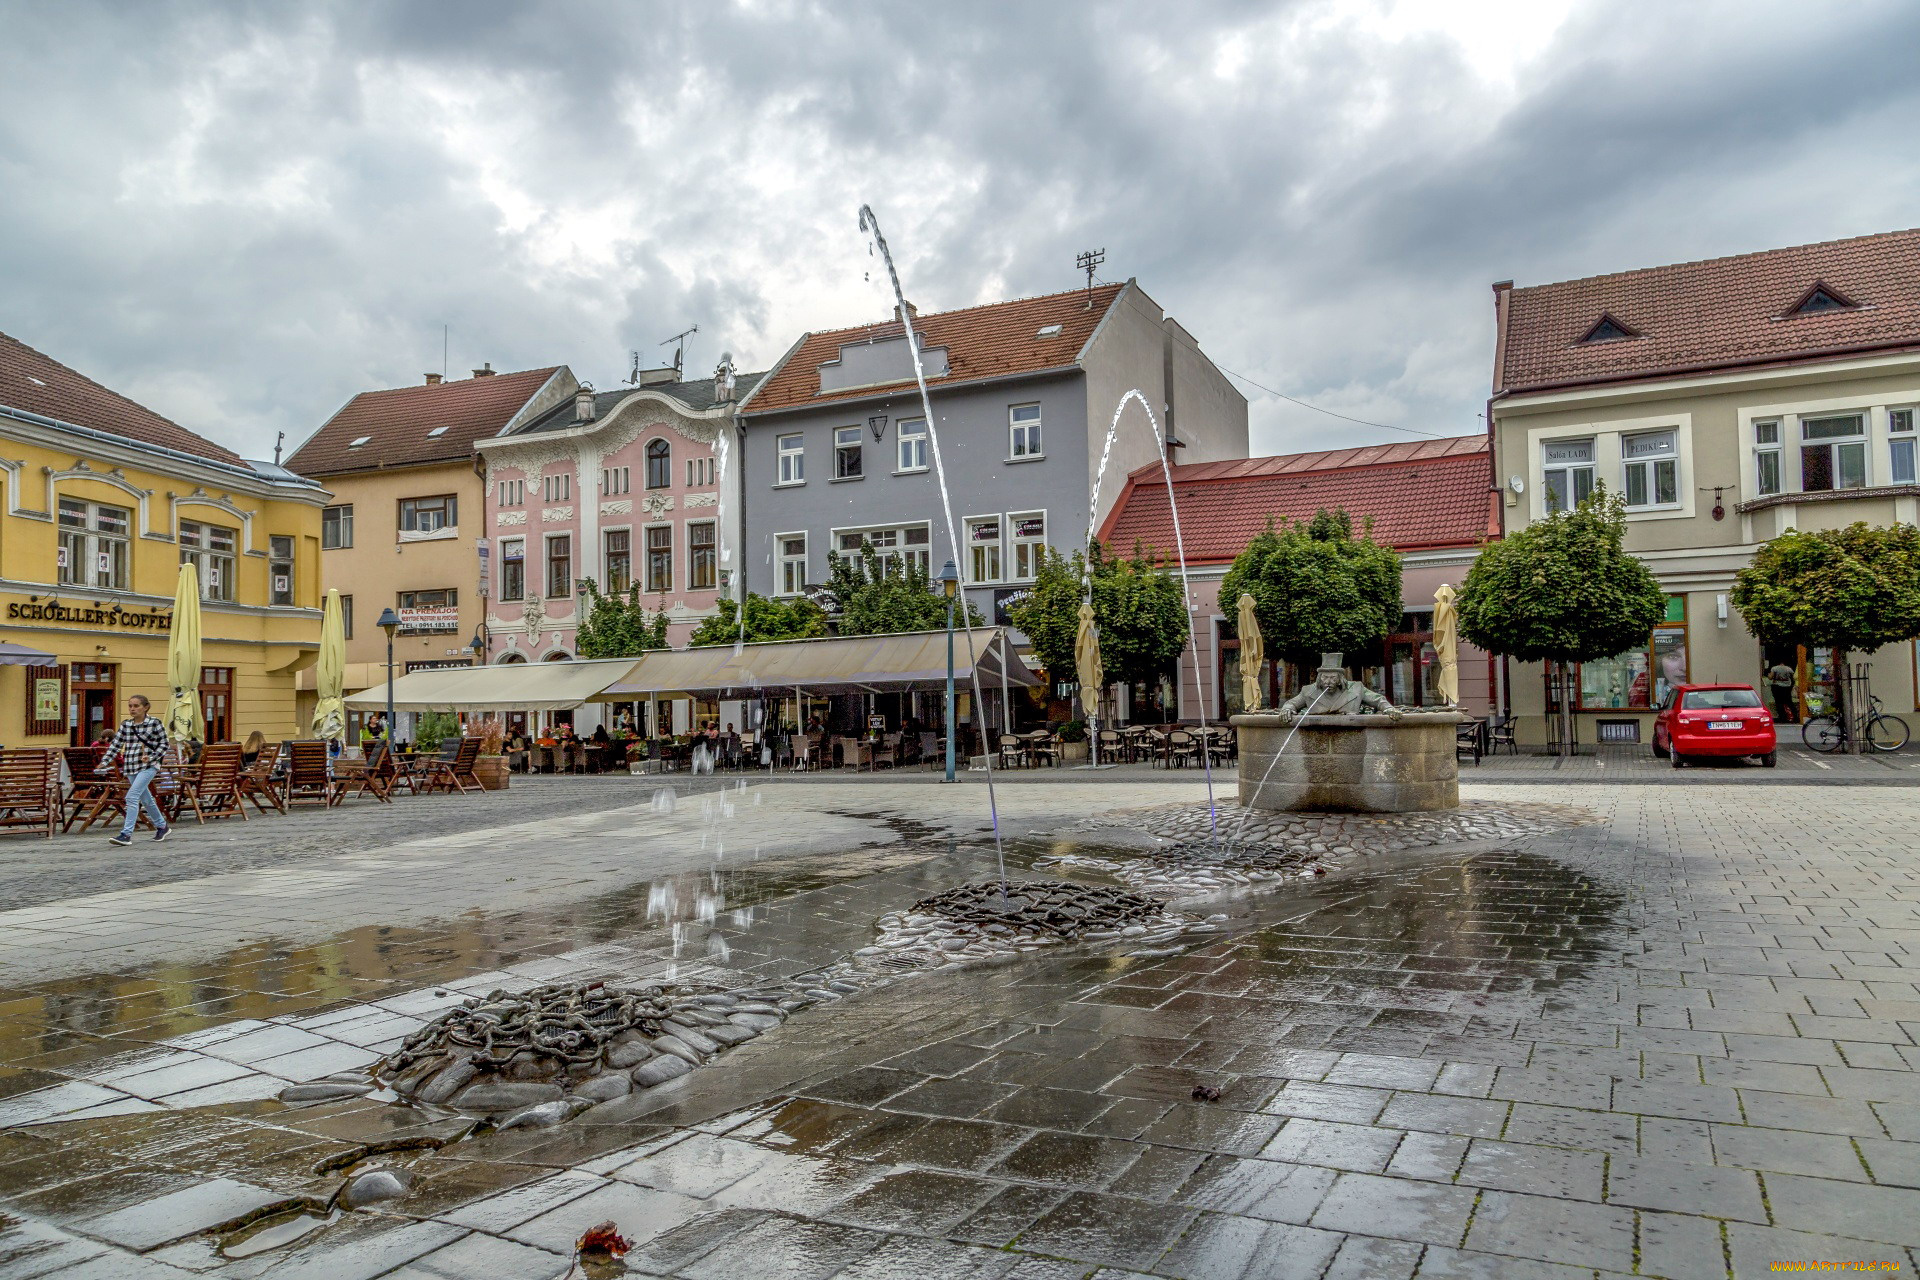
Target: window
{"x":846,"y":453}
{"x":1027,"y":534}
{"x":428,"y":515}
{"x":1833,"y":453}
{"x":559,"y":566}
{"x":346,"y":615}
{"x":616,"y":480}
{"x":793,"y":459}
{"x":1900,"y":431}
{"x":617,"y":548}
{"x":336,"y":527}
{"x":558,"y":488}
{"x":1640,"y":679}
{"x":660,"y":558}
{"x":1766,"y":458}
{"x":659,"y":464}
{"x":703,"y":561}
{"x":209,"y":549}
{"x":793,"y":563}
{"x":1821,"y":298}
{"x":1023,"y":427}
{"x":216,"y":702}
{"x":94,"y":544}
{"x":1567,"y":466}
{"x":444,"y":603}
{"x":699,"y":472}
{"x":513,"y":568}
{"x":913,"y":444}
{"x":1607,"y":329}
{"x":905,"y":545}
{"x":280,"y":569}
{"x":1652,"y":468}
{"x":1719,"y":699}
{"x":513,"y":493}
{"x":983,"y":549}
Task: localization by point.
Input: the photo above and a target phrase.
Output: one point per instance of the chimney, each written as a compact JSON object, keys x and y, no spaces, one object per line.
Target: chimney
{"x":913,"y":312}
{"x":583,"y":404}
{"x":433,"y":379}
{"x":484,"y":371}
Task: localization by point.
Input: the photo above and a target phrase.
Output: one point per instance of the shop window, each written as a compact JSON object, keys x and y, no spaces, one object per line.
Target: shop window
{"x":617,"y":557}
{"x":209,"y":549}
{"x":847,"y":453}
{"x":983,"y":549}
{"x":1027,"y":536}
{"x":429,"y":515}
{"x":703,"y":561}
{"x":513,"y":568}
{"x":1766,"y":458}
{"x":793,"y":563}
{"x":95,"y":544}
{"x":1833,"y":453}
{"x":1651,"y":464}
{"x":280,"y":568}
{"x":1900,"y":444}
{"x":1639,"y":679}
{"x":660,"y":558}
{"x":336,"y":527}
{"x":1567,"y":473}
{"x":912,"y":442}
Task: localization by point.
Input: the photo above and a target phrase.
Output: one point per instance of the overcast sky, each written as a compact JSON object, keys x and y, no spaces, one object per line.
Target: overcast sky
{"x":242,"y":215}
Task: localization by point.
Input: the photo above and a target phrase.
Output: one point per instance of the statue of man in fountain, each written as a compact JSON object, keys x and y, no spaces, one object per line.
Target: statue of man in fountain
{"x":1333,"y":694}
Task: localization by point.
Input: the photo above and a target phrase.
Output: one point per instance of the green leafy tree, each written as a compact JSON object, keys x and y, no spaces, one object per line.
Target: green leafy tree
{"x":1316,"y":588}
{"x":1562,"y":590}
{"x":618,"y":625}
{"x":1853,"y":590}
{"x":433,"y":728}
{"x":1138,"y":610}
{"x":797,"y":618}
{"x":876,"y":598}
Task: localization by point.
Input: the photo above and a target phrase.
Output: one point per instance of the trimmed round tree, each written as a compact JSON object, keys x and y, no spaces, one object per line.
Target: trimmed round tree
{"x":1316,"y":588}
{"x":1562,"y":590}
{"x":1851,"y":590}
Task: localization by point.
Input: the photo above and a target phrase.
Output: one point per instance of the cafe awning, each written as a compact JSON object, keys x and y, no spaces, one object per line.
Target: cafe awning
{"x":514,"y":686}
{"x":842,"y":664}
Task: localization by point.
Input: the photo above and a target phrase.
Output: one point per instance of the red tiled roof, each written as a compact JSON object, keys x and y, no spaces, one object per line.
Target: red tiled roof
{"x":1714,"y":314}
{"x":982,"y":342}
{"x":36,"y":382}
{"x":398,"y":422}
{"x":1434,"y":493}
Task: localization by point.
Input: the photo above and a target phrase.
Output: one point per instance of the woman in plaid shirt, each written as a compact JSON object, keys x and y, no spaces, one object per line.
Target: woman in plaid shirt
{"x":138,"y":747}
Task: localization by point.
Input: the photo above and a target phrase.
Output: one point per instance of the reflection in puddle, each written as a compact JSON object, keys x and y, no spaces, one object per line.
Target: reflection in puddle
{"x":273,"y":1231}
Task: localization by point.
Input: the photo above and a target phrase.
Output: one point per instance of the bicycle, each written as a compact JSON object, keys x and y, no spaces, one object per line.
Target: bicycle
{"x":1828,"y":732}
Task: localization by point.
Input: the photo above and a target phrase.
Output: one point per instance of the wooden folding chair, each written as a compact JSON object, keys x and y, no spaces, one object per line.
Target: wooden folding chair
{"x":90,"y":793}
{"x":308,"y":779}
{"x":29,"y":790}
{"x":378,"y":777}
{"x":455,"y":774}
{"x":257,"y":782}
{"x":215,"y":791}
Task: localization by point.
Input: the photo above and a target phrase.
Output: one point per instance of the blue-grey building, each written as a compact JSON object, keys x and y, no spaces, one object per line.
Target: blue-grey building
{"x":835,"y":446}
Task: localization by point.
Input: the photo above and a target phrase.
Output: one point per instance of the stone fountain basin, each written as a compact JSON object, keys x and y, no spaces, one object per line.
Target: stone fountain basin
{"x":1349,"y":764}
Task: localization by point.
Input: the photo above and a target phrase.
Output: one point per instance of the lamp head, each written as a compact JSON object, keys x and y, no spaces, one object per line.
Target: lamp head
{"x":949,"y":579}
{"x":389,"y":622}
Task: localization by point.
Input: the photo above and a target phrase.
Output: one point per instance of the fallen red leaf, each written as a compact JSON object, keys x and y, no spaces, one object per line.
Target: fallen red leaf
{"x":603,"y":1239}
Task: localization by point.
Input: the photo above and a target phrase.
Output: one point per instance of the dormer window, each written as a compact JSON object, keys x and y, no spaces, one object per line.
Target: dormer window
{"x":1608,"y":329}
{"x":1820,"y":298}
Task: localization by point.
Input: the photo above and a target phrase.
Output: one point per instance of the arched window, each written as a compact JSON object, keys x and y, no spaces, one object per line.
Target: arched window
{"x":513,"y":657}
{"x":558,"y":656}
{"x":659,"y":464}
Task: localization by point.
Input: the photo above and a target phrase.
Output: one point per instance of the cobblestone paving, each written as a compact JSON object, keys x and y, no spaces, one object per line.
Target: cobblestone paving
{"x":1675,"y":1041}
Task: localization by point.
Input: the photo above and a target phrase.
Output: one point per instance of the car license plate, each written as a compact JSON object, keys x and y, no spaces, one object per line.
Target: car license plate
{"x":1723,"y":724}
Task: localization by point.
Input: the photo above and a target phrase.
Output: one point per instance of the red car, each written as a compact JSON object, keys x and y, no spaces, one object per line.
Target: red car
{"x":1713,"y":720}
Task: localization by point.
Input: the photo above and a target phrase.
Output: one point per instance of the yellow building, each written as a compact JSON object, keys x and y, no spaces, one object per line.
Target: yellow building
{"x":404,"y":529}
{"x":101,"y":499}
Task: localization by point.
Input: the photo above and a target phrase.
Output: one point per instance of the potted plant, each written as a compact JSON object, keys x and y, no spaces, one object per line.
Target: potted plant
{"x":1073,"y":739}
{"x":491,"y":766}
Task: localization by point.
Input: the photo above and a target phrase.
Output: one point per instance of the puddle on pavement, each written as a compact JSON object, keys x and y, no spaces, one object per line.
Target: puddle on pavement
{"x":275,"y":1231}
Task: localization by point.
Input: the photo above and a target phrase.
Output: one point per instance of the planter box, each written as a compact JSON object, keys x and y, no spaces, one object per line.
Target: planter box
{"x":492,"y":772}
{"x":1073,"y":751}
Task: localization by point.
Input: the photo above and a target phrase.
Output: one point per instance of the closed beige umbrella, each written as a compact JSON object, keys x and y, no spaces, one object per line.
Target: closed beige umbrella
{"x":330,"y":679}
{"x":1446,"y":644}
{"x":1253,"y":654}
{"x":183,"y":719}
{"x":1086,"y":661}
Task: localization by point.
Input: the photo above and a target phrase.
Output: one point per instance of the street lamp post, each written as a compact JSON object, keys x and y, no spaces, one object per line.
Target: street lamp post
{"x":950,"y":585}
{"x":389,"y":623}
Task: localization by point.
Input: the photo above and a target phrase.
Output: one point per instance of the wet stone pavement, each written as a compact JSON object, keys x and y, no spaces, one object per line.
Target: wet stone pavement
{"x":1673,"y":1041}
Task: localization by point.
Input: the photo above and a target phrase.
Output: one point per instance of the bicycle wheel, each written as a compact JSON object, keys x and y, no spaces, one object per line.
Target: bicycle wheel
{"x":1822,"y":733}
{"x":1887,"y":733}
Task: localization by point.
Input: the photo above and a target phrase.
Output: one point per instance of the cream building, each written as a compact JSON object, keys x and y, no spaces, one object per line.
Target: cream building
{"x":1727,"y":400}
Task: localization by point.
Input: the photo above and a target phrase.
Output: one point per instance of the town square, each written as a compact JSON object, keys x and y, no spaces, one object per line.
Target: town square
{"x":839,"y":641}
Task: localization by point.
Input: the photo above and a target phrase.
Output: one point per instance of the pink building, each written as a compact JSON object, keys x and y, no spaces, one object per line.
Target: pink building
{"x":619,"y":487}
{"x":1432,"y":501}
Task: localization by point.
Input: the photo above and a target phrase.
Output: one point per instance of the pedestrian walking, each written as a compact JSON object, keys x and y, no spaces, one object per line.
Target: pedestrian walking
{"x":1781,"y":680}
{"x":138,"y":747}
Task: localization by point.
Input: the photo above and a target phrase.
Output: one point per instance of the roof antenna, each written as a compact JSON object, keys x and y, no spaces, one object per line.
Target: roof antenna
{"x":1087,"y":262}
{"x":680,"y":351}
{"x":445,"y":330}
{"x":278,"y":441}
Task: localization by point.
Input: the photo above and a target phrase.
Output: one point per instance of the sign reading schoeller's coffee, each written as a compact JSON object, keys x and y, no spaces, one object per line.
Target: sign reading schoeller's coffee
{"x":153,"y":620}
